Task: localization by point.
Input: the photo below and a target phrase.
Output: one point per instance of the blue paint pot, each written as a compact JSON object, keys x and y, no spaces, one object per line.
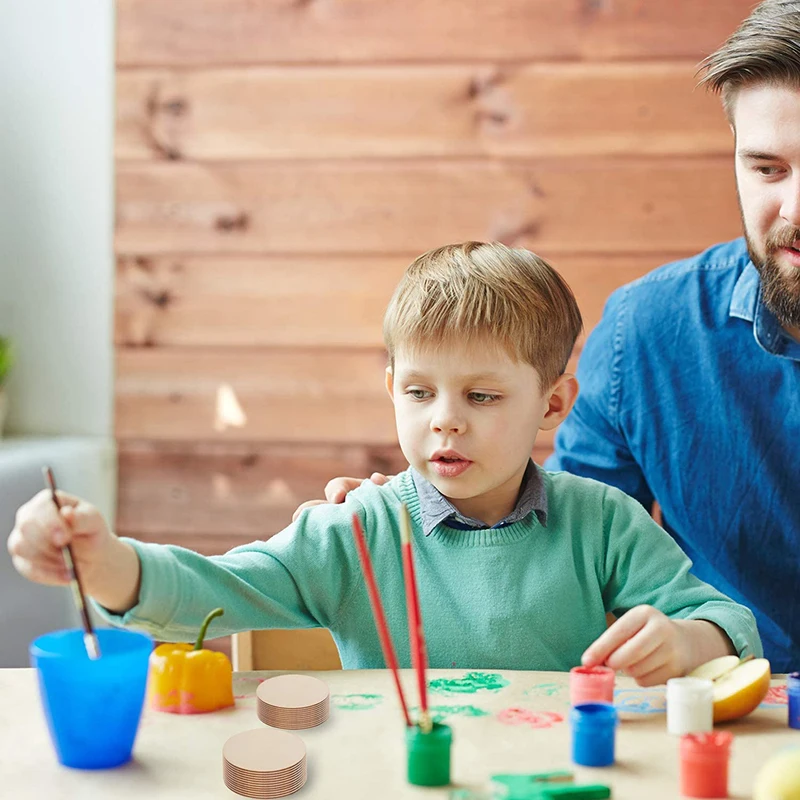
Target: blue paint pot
{"x":793,"y":694}
{"x":593,"y":730}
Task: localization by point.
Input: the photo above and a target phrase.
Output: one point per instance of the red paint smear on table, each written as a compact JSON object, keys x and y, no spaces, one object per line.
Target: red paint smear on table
{"x":533,"y":719}
{"x":776,"y":696}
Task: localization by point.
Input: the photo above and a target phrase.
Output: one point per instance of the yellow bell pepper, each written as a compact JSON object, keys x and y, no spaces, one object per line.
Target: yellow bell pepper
{"x":185,"y":679}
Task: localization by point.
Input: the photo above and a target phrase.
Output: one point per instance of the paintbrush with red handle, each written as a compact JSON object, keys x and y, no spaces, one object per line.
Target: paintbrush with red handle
{"x":377,"y":612}
{"x":419,"y":656}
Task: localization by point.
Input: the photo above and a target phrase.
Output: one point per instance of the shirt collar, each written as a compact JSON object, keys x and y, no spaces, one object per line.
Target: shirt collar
{"x":745,"y":294}
{"x":435,"y":508}
{"x":747,"y":304}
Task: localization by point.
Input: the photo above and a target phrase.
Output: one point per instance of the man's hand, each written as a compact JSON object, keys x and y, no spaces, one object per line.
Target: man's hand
{"x":336,"y":490}
{"x":652,"y":648}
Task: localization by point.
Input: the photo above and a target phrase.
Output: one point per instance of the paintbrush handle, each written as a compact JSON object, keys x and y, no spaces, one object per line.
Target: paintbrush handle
{"x":89,"y":636}
{"x":419,"y":659}
{"x":77,"y":588}
{"x":378,"y":614}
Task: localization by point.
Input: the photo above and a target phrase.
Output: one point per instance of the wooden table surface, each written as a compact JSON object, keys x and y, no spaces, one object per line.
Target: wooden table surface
{"x":502,"y":722}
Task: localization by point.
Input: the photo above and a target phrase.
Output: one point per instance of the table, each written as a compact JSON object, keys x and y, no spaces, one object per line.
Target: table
{"x":504,"y":721}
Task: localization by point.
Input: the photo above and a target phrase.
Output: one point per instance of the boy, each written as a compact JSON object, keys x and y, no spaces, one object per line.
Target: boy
{"x":516,"y":567}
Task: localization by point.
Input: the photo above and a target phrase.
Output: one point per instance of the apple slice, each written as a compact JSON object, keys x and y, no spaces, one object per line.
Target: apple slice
{"x":741,"y":690}
{"x":715,"y":668}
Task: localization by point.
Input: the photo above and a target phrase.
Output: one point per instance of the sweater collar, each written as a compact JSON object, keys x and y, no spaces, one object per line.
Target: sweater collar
{"x":436,"y":509}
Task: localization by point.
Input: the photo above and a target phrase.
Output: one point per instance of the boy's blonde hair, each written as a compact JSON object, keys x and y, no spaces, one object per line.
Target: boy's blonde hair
{"x":469,"y":291}
{"x":765,"y":49}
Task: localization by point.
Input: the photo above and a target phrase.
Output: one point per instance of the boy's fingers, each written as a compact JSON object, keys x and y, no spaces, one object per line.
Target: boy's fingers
{"x":658,"y":676}
{"x":82,"y":518}
{"x":28,"y":548}
{"x":627,"y":626}
{"x":37,"y":523}
{"x":66,"y":500}
{"x":51,"y":573}
{"x":379,"y":478}
{"x":654,"y":660}
{"x":644,"y":642}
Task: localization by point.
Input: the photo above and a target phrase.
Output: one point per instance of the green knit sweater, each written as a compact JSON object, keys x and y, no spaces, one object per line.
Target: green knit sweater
{"x":519,"y":597}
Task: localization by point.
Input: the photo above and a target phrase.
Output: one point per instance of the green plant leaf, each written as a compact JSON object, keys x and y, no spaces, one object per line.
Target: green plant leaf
{"x":6,"y":358}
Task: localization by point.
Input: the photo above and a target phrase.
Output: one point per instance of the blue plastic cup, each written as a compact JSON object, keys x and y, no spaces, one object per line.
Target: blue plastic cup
{"x":793,"y":696}
{"x":593,"y":733}
{"x":92,"y":707}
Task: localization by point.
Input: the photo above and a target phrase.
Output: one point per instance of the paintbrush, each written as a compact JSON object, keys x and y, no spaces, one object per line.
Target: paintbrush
{"x":377,"y":612}
{"x":416,"y":634}
{"x":89,"y":636}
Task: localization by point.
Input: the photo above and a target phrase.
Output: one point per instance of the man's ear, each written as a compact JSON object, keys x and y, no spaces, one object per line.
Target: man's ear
{"x":390,"y":382}
{"x":563,"y":394}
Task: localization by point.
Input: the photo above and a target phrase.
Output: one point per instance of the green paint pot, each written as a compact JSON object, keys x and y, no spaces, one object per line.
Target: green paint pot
{"x":429,"y":755}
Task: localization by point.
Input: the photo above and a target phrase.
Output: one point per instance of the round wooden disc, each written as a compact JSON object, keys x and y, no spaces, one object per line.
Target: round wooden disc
{"x":264,"y":750}
{"x":293,"y":691}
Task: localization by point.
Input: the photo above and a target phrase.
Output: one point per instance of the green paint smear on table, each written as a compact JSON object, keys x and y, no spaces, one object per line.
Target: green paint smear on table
{"x":440,"y":713}
{"x":471,"y":683}
{"x":356,"y":702}
{"x":544,"y":689}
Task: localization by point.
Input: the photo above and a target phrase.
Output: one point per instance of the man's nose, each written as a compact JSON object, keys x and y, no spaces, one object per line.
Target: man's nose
{"x":790,"y":208}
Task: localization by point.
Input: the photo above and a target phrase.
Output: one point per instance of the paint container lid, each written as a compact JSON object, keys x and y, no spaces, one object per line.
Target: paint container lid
{"x":429,"y":755}
{"x":793,"y":681}
{"x":713,"y":746}
{"x":592,"y":675}
{"x":293,"y":702}
{"x":593,"y":717}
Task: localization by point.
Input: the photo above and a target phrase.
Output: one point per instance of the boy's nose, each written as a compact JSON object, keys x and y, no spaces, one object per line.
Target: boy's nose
{"x":447,"y":423}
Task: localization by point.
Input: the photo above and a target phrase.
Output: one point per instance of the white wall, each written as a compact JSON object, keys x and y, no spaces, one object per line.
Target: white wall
{"x":56,"y":212}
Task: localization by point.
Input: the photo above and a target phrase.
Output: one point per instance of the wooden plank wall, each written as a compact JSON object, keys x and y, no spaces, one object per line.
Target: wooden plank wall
{"x":278,"y":165}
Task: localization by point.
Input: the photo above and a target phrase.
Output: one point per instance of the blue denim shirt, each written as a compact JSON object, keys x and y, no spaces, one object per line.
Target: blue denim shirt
{"x":690,"y":396}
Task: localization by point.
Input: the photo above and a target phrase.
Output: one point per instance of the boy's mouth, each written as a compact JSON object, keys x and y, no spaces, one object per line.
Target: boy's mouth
{"x":449,"y":464}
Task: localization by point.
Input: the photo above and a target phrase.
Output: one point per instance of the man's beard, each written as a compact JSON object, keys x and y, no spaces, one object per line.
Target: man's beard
{"x":779,"y":289}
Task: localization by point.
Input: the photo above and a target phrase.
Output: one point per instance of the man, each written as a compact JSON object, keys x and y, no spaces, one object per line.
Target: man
{"x":690,"y":384}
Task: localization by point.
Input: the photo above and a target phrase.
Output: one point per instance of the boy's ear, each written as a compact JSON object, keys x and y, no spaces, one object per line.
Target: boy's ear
{"x":563,"y":394}
{"x":390,"y":382}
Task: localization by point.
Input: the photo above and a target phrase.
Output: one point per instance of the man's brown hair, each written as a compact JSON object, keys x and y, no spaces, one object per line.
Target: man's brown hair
{"x":765,"y":49}
{"x":473,"y":291}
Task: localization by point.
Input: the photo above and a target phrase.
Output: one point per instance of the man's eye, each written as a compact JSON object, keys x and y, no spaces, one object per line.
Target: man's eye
{"x":768,"y":171}
{"x":481,"y":398}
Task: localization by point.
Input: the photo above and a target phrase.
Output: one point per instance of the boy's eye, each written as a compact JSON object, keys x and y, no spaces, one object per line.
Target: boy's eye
{"x":418,"y":394}
{"x":482,"y":398}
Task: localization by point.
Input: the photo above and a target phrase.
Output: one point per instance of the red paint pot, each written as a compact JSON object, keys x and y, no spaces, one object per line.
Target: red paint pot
{"x":704,"y":764}
{"x":591,"y":685}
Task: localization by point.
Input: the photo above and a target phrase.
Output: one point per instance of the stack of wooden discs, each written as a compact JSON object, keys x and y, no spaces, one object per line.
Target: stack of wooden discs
{"x":293,"y":702}
{"x":264,"y":763}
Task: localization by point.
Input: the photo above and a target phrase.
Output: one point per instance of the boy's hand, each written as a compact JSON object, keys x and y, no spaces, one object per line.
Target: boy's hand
{"x":40,"y":532}
{"x":336,"y":490}
{"x":645,"y":644}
